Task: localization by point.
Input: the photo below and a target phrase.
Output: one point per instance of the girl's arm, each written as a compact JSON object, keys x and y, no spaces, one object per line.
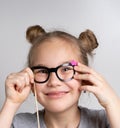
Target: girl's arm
{"x":17,"y":87}
{"x":105,"y":94}
{"x":7,"y":113}
{"x":113,"y":112}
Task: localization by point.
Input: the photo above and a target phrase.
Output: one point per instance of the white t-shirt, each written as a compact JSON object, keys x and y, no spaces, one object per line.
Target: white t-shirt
{"x":89,"y":118}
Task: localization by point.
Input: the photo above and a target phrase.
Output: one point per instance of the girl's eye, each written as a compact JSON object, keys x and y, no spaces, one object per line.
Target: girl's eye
{"x":65,"y":69}
{"x":42,"y":71}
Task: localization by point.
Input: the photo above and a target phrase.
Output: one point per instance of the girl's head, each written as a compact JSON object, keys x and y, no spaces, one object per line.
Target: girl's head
{"x":81,"y":46}
{"x":49,"y":51}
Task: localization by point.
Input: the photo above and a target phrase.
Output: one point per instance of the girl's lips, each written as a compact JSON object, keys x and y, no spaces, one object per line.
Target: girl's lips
{"x":56,"y":94}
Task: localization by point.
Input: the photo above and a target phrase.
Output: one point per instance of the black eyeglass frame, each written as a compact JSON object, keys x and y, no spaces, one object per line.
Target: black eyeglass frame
{"x":54,"y":70}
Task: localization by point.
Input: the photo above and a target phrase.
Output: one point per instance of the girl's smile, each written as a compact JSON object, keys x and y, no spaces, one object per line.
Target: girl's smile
{"x":56,"y":94}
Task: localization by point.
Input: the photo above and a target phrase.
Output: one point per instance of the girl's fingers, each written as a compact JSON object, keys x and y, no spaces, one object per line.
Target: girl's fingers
{"x":88,"y":88}
{"x":88,"y":78}
{"x":20,"y":80}
{"x":28,"y":72}
{"x":83,"y":69}
{"x":96,"y":84}
{"x":18,"y":85}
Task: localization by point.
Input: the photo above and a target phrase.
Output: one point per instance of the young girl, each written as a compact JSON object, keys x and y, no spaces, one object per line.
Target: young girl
{"x":57,"y":73}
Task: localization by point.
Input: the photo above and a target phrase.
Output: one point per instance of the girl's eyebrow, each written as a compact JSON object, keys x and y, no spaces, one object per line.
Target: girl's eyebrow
{"x":42,"y":65}
{"x":39,"y":65}
{"x":68,"y":61}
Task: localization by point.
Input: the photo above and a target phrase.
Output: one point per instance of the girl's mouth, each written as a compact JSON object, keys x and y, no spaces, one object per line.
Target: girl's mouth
{"x":58,"y":94}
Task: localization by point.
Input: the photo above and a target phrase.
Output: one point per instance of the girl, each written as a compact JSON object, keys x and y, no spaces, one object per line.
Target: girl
{"x":57,"y":73}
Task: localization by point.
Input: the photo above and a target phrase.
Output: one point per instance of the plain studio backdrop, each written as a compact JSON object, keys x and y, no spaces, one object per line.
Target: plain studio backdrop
{"x":73,"y":16}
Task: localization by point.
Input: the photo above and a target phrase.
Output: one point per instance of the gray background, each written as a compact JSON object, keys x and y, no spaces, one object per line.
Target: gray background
{"x":73,"y":16}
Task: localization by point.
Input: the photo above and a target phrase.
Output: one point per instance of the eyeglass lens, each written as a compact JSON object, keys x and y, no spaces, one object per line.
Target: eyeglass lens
{"x":64,"y":73}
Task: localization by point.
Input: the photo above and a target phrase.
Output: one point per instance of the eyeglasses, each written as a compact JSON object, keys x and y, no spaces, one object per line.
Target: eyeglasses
{"x":64,"y":72}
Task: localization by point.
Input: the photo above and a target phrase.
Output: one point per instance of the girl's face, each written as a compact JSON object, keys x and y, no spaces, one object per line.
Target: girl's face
{"x":56,"y":95}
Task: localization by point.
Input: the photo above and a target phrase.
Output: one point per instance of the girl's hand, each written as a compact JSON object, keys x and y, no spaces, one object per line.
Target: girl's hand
{"x":95,"y":83}
{"x":18,"y":86}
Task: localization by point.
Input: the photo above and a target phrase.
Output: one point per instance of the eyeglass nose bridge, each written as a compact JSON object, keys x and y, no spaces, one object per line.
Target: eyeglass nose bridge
{"x":50,"y":70}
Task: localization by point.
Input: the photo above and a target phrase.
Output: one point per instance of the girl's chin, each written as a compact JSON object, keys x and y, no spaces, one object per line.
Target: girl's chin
{"x":60,"y":107}
{"x":55,"y":110}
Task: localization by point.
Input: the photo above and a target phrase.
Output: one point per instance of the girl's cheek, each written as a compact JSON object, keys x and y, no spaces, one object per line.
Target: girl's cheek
{"x":39,"y":88}
{"x":78,"y":83}
{"x":75,"y":84}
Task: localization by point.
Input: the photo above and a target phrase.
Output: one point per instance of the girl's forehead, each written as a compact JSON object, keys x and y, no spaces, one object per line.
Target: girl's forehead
{"x":55,"y":52}
{"x":56,"y":43}
{"x":58,"y":47}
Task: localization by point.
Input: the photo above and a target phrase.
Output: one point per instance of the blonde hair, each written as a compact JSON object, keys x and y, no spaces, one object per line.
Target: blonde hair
{"x":86,"y":42}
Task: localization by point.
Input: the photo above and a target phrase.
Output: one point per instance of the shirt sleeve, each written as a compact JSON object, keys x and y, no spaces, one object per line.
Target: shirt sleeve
{"x":94,"y":118}
{"x":24,"y":120}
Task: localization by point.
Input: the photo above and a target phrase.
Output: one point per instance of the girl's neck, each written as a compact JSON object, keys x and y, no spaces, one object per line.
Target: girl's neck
{"x":67,"y":119}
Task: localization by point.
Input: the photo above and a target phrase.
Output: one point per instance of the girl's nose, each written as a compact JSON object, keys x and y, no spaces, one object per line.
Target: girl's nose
{"x":53,"y":80}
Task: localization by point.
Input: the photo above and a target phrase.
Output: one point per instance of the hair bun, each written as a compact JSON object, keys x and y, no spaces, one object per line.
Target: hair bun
{"x":88,"y":41}
{"x":33,"y":32}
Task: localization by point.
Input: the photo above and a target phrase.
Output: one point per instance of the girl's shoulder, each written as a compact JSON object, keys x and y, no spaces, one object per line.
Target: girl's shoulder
{"x":28,"y":115}
{"x":26,"y":120}
{"x":93,"y":117}
{"x":92,"y":112}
